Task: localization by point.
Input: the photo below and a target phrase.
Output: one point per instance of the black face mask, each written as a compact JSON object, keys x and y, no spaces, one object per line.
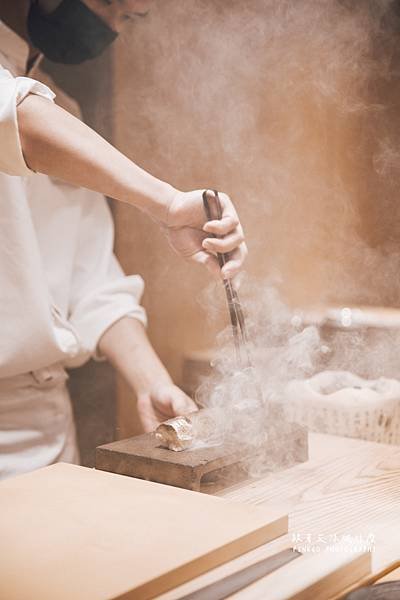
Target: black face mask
{"x":71,"y":34}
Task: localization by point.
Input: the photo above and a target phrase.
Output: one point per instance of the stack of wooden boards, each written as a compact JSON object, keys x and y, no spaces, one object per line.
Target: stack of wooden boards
{"x":71,"y":532}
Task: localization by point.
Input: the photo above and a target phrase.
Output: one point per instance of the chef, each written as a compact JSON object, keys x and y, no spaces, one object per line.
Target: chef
{"x":63,"y":295}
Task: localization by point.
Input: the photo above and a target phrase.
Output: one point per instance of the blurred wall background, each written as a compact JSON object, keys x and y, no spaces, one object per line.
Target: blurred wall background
{"x":290,"y":107}
{"x":293,"y":109}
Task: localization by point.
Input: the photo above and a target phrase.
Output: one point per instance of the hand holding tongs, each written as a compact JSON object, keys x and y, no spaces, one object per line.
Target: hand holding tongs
{"x":239,"y":330}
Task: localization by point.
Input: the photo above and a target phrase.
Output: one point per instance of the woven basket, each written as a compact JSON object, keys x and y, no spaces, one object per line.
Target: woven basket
{"x":340,"y":403}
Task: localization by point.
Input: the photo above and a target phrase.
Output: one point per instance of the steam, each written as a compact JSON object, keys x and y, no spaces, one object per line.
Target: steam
{"x":286,"y":349}
{"x":292,"y":108}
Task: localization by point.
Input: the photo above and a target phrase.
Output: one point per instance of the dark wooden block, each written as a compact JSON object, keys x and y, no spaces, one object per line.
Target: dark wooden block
{"x":142,"y":457}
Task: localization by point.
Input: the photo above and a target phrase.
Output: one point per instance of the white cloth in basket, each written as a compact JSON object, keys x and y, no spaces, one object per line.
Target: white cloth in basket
{"x":341,"y":403}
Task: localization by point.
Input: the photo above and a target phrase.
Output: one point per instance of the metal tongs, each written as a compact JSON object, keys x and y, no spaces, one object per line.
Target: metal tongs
{"x":179,"y":433}
{"x":239,"y":330}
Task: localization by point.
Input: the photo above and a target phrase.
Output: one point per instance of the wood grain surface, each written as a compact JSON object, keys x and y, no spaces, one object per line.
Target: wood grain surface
{"x":348,"y":487}
{"x":310,"y":577}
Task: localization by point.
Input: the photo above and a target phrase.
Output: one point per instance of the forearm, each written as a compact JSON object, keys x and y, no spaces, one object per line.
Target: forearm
{"x":126,"y":345}
{"x":57,"y":144}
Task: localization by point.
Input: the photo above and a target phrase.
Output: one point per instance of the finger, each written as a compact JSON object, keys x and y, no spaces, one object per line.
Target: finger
{"x":224,"y":245}
{"x":149,"y":424}
{"x":222,"y":227}
{"x":228,"y":208}
{"x":209,"y":261}
{"x":149,"y":416}
{"x":235,"y":264}
{"x":237,"y":280}
{"x":182,"y":404}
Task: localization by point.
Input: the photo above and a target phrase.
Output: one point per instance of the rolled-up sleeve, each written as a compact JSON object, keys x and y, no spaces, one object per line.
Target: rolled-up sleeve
{"x":13,"y":90}
{"x":101,"y":293}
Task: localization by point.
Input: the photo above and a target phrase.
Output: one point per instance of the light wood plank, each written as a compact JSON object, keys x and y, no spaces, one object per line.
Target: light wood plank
{"x":228,"y":568}
{"x":316,"y":577}
{"x":90,"y":535}
{"x":393,"y":575}
{"x":347,"y":487}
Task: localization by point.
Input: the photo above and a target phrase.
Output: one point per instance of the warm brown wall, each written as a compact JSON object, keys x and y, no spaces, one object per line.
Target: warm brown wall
{"x":90,"y":84}
{"x":292,"y":108}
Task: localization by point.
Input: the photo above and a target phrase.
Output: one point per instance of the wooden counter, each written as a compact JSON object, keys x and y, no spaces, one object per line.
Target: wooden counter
{"x":76,"y":533}
{"x":347,"y":488}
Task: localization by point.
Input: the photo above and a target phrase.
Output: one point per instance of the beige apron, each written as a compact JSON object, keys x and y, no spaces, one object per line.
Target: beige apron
{"x":36,"y":421}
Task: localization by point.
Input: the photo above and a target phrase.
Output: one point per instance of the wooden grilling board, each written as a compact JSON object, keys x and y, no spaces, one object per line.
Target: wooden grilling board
{"x":141,"y":456}
{"x":72,"y":532}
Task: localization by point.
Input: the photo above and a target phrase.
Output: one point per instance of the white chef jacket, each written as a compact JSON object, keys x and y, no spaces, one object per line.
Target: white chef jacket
{"x":61,"y":286}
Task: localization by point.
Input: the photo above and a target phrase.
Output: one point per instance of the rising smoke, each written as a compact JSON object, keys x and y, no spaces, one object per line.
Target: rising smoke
{"x":292,"y":107}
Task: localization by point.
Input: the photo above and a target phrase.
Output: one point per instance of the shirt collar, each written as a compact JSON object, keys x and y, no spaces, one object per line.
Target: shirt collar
{"x":14,"y":48}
